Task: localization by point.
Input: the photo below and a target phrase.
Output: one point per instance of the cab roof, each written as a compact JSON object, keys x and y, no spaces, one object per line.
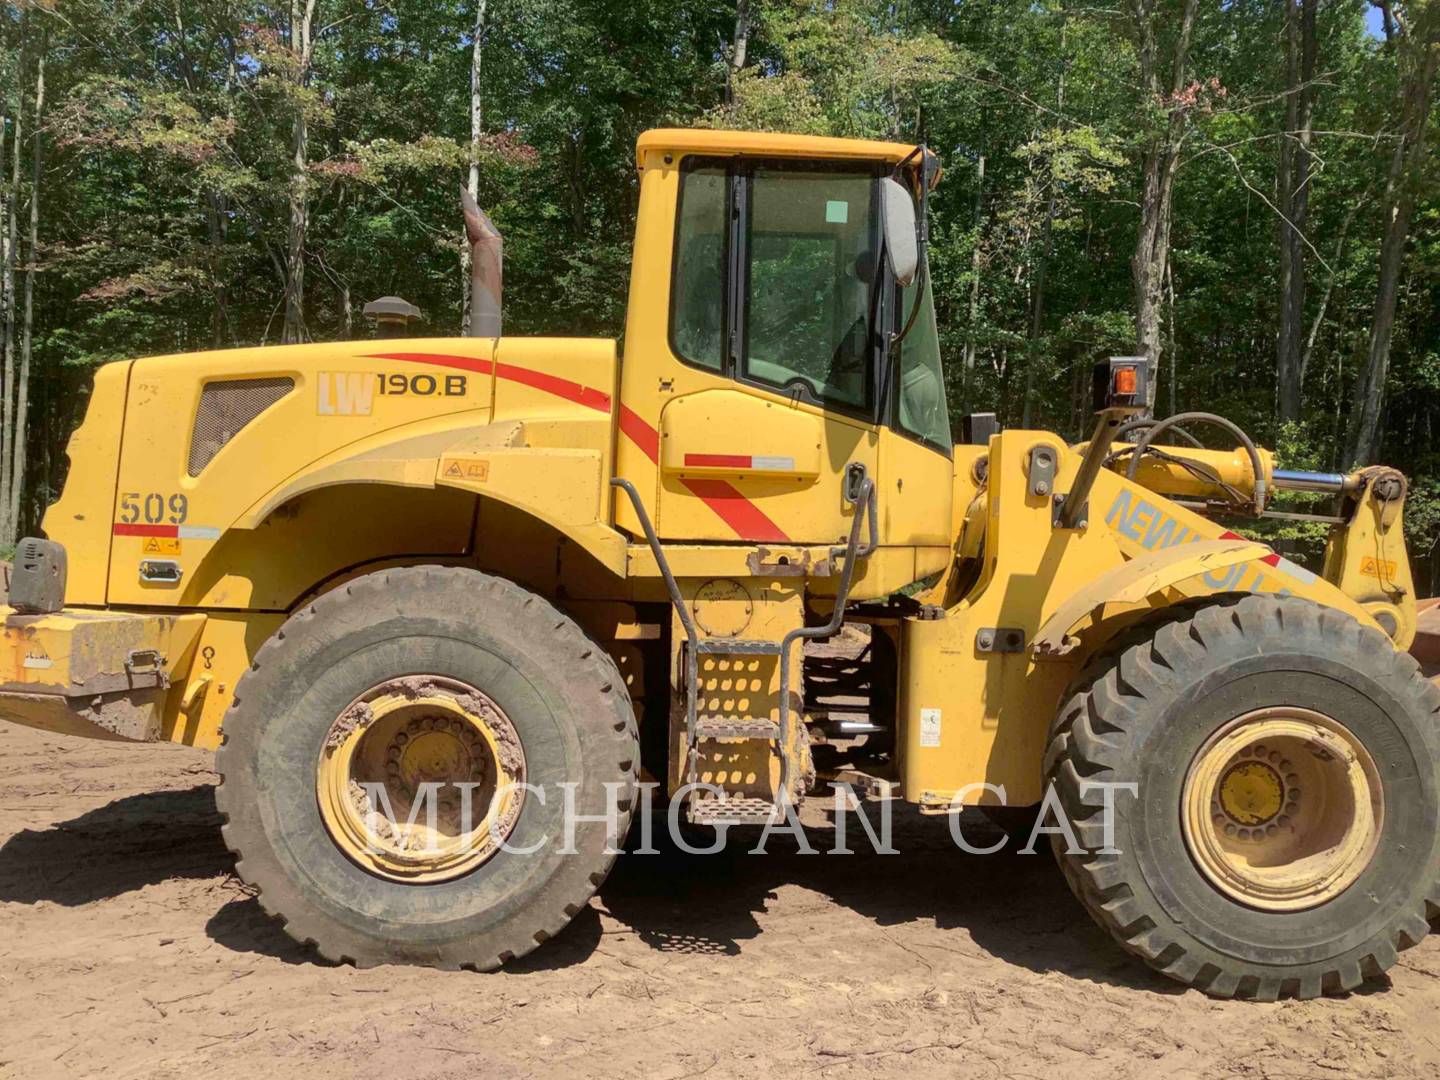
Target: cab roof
{"x":708,"y":141}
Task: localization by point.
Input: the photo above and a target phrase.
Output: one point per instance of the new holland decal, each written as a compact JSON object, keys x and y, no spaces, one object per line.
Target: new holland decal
{"x":1139,"y":520}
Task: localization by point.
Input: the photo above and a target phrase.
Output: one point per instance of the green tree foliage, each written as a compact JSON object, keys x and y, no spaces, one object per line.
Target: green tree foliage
{"x":167,"y":171}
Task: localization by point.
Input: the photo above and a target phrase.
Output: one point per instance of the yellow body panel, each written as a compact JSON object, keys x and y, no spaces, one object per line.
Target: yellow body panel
{"x":81,"y":514}
{"x":914,"y":490}
{"x":699,"y":430}
{"x":196,"y":705}
{"x":313,"y":421}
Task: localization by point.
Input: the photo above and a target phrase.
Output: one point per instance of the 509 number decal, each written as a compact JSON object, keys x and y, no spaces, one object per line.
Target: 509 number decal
{"x":153,"y":508}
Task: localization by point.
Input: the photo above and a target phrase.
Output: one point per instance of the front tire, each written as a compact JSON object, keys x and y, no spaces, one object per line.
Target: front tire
{"x":1282,"y":836}
{"x":411,"y":676}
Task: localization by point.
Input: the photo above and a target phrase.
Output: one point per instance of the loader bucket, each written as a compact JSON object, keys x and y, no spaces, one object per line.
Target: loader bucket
{"x":1426,"y":646}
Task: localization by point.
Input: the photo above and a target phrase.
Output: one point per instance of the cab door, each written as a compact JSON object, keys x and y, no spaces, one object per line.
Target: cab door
{"x":774,"y":281}
{"x":916,"y":479}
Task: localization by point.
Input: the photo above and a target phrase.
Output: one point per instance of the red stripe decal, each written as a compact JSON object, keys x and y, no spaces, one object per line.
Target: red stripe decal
{"x":747,"y":519}
{"x":463,"y":363}
{"x":539,"y":380}
{"x":1271,"y":559}
{"x":719,"y":461}
{"x":554,"y":384}
{"x":122,"y":529}
{"x":638,"y":431}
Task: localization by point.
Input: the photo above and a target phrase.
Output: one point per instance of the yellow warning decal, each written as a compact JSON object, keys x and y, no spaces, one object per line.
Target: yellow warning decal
{"x":1377,"y":568}
{"x":160,"y":545}
{"x":461,"y":469}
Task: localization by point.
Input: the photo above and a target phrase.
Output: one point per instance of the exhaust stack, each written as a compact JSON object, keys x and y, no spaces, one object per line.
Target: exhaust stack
{"x":486,"y":263}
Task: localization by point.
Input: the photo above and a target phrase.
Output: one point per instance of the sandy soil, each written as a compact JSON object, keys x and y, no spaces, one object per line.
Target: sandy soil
{"x":128,"y":948}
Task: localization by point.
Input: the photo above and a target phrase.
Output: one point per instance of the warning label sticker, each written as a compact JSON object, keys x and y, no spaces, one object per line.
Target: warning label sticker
{"x":1377,"y":568}
{"x":460,"y":469}
{"x":161,"y":545}
{"x":929,"y":727}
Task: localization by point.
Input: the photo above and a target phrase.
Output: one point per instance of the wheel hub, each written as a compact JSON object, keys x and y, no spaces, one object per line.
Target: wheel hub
{"x":418,"y":779}
{"x":1282,"y":808}
{"x":1252,"y":793}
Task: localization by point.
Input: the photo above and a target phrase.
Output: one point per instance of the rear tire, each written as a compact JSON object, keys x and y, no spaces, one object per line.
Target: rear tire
{"x":1151,"y":713}
{"x":557,"y":691}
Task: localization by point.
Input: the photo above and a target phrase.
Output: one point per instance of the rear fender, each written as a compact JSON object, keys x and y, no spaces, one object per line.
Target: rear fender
{"x":553,"y":468}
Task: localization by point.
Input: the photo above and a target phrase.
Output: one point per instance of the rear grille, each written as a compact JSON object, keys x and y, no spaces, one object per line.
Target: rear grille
{"x":225,"y":408}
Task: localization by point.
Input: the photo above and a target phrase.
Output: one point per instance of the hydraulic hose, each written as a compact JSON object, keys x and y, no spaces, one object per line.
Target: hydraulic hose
{"x":1160,"y":426}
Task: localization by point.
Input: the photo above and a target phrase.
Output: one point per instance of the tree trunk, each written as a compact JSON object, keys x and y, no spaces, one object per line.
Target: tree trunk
{"x":1173,"y":382}
{"x":1418,"y":56}
{"x":967,"y":369}
{"x":477,"y":130}
{"x":739,"y":46}
{"x":1047,"y":242}
{"x":22,"y":405}
{"x":7,"y":286}
{"x":1158,"y":163}
{"x":1319,"y":320}
{"x":347,"y":310}
{"x":1037,"y":311}
{"x":217,"y":213}
{"x":1293,"y":201}
{"x":302,"y":17}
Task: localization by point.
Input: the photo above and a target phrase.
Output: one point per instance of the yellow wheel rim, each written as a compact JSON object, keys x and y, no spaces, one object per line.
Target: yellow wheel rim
{"x":418,"y":779}
{"x":1282,"y":809}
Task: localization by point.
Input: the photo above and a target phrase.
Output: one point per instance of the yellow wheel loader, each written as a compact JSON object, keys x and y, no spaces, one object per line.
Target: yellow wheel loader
{"x":525,"y":575}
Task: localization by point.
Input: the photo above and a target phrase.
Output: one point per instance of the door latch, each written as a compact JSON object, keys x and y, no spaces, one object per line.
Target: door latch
{"x":160,"y":571}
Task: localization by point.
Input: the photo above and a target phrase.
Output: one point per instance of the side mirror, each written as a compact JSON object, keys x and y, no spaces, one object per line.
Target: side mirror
{"x":902,"y":248}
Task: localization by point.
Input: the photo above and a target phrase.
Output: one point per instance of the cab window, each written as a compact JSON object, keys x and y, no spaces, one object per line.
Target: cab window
{"x":810,"y":243}
{"x":697,"y":299}
{"x":921,"y":409}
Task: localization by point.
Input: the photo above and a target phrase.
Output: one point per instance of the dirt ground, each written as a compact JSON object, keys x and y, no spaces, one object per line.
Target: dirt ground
{"x":128,"y":948}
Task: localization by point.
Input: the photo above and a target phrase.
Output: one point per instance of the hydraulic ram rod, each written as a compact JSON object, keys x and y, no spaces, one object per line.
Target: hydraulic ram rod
{"x":1324,"y":482}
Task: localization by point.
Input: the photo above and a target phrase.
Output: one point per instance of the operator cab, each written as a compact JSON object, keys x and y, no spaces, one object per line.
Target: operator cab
{"x":796,"y":339}
{"x":781,"y":282}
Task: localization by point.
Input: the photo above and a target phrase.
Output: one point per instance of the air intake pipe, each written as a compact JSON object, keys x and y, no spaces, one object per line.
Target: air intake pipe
{"x":486,"y":268}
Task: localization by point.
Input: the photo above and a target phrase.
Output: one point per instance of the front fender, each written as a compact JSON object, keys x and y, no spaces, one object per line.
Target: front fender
{"x":1134,"y":581}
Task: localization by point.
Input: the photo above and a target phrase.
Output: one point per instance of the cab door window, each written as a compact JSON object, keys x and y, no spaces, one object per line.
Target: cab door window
{"x":811,"y":245}
{"x":774,"y":271}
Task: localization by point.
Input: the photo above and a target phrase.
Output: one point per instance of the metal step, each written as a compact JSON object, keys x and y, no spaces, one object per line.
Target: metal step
{"x":737,"y":647}
{"x":722,"y":728}
{"x":735,"y":810}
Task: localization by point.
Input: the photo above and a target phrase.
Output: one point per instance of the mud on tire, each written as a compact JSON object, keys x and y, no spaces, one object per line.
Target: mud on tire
{"x":1140,"y":715}
{"x":561,"y":691}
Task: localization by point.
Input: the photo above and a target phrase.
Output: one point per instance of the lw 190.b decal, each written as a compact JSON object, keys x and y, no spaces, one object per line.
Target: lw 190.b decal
{"x":353,"y":393}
